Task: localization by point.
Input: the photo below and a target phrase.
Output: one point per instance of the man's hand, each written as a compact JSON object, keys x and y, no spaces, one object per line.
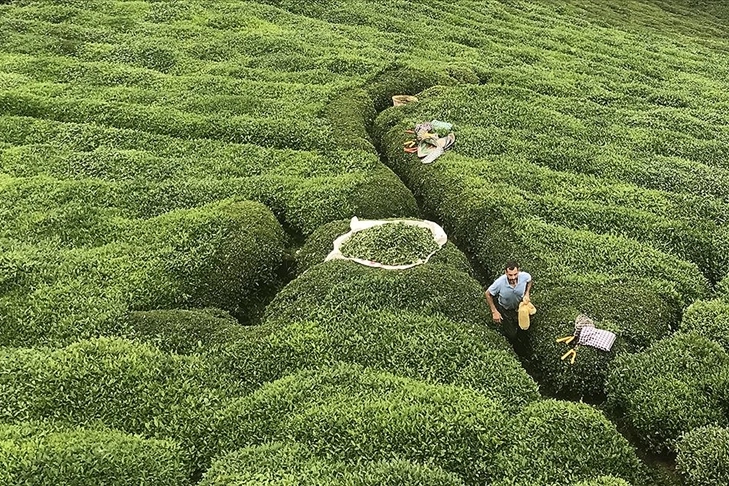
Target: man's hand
{"x":525,"y":299}
{"x":496,"y":316}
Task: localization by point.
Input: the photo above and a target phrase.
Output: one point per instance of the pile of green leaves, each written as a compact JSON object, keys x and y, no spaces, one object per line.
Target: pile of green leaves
{"x":391,"y":244}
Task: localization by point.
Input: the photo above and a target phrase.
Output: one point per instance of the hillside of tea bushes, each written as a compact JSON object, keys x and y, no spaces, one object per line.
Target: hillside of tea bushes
{"x":173,"y":174}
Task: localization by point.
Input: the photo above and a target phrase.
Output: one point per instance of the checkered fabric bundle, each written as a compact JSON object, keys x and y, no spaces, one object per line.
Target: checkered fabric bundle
{"x":597,"y":338}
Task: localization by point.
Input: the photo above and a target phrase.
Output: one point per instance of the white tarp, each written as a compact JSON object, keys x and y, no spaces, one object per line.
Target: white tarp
{"x":358,"y":225}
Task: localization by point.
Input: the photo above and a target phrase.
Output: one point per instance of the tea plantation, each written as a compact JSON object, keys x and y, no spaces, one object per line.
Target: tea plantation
{"x":173,"y":174}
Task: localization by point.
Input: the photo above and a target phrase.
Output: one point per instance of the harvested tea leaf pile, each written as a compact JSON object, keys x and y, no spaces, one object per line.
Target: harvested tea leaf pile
{"x":391,"y":244}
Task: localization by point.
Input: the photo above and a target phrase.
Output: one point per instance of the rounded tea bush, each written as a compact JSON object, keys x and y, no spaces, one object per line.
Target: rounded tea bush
{"x":225,"y":255}
{"x":185,"y":331}
{"x":284,"y":464}
{"x":345,"y":287}
{"x":708,"y":318}
{"x":405,"y":343}
{"x":703,"y":456}
{"x":128,"y":386}
{"x":555,"y":442}
{"x":353,"y":414}
{"x":35,"y":455}
{"x":676,"y":385}
{"x":637,"y":318}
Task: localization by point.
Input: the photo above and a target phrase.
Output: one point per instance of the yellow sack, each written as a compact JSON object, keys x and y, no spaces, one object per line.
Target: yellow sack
{"x":526,"y":310}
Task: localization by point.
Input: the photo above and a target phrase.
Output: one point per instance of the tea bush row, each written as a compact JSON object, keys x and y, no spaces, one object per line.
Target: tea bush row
{"x":33,"y":454}
{"x":270,"y":131}
{"x":354,"y":414}
{"x":702,"y":456}
{"x":676,"y":385}
{"x":283,"y":463}
{"x":708,"y":318}
{"x":146,"y":175}
{"x":127,"y":386}
{"x":227,"y":255}
{"x":430,"y":348}
{"x":679,"y":383}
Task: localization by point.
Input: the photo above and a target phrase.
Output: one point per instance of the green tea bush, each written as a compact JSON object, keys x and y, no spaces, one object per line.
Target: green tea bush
{"x":144,"y":175}
{"x":637,"y":317}
{"x":30,"y":455}
{"x":321,"y":243}
{"x":352,"y":113}
{"x":603,"y":481}
{"x":722,"y":289}
{"x":676,"y":385}
{"x":185,"y":331}
{"x":708,"y":318}
{"x":224,"y":255}
{"x":282,"y":464}
{"x":403,"y":79}
{"x":703,"y":454}
{"x":492,"y":223}
{"x":131,"y":387}
{"x":553,"y":442}
{"x":352,"y":414}
{"x":405,"y":343}
{"x":346,"y":287}
{"x":268,"y":132}
{"x":391,"y":244}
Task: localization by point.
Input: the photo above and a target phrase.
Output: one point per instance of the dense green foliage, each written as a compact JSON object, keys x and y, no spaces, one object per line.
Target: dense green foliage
{"x":637,"y":317}
{"x":406,"y":343}
{"x":185,"y":331}
{"x":678,"y":384}
{"x":34,"y":455}
{"x":280,"y":464}
{"x":603,"y":481}
{"x":592,"y":146}
{"x":703,"y":454}
{"x":391,"y":244}
{"x":353,"y":414}
{"x":343,"y":287}
{"x":709,"y":318}
{"x":552,"y":442}
{"x":131,"y":387}
{"x":223,"y":254}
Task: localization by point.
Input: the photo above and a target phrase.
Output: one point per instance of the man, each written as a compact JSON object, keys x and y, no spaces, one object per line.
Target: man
{"x":509,"y":290}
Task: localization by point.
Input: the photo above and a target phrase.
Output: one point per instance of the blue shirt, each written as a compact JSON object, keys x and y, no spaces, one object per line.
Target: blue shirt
{"x":509,"y":297}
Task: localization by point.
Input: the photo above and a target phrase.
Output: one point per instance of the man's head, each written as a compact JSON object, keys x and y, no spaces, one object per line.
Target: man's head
{"x":512,"y":271}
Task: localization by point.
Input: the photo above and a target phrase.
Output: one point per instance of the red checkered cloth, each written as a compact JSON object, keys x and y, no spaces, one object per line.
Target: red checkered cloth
{"x":597,"y":338}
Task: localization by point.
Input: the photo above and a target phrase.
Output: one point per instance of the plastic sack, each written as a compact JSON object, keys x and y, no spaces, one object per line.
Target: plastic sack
{"x":358,"y":225}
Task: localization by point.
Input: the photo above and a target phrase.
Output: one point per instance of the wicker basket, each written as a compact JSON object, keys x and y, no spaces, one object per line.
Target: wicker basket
{"x":399,"y":100}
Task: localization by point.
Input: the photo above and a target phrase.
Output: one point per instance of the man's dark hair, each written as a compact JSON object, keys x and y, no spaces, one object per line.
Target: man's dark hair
{"x":511,"y":264}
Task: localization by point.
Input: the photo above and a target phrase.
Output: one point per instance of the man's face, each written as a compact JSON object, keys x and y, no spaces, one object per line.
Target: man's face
{"x":512,"y":274}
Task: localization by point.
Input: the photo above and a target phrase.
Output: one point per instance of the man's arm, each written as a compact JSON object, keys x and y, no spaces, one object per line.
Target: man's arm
{"x":494,"y":311}
{"x":527,"y":297}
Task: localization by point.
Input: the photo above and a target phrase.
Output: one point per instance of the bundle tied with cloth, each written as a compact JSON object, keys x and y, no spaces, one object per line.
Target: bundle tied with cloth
{"x":526,"y":310}
{"x":586,"y":334}
{"x":432,"y":139}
